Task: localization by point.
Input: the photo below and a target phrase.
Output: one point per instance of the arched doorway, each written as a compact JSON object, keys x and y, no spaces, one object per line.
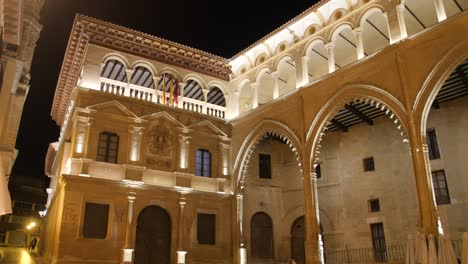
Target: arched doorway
{"x":261,"y":236}
{"x":297,"y":240}
{"x":153,"y":236}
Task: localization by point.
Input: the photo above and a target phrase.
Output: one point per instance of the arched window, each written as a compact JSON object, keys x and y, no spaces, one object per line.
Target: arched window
{"x":114,"y":70}
{"x":261,"y":236}
{"x":203,"y":163}
{"x":216,"y":97}
{"x":108,"y":147}
{"x":193,"y":90}
{"x":142,"y":77}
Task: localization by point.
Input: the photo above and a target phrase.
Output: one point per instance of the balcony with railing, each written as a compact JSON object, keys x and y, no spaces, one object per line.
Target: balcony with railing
{"x":189,"y":96}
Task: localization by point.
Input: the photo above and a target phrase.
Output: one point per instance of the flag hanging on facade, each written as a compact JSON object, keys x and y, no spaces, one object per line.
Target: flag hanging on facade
{"x":171,"y":92}
{"x":176,"y":92}
{"x":164,"y":89}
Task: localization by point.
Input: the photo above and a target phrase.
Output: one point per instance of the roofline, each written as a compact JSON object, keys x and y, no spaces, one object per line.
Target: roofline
{"x":282,"y":27}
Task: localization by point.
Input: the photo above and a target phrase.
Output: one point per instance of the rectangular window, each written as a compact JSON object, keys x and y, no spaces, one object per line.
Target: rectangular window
{"x":96,"y":217}
{"x":264,"y":166}
{"x":440,"y":187}
{"x":432,"y":144}
{"x":369,"y":164}
{"x":206,"y":229}
{"x":378,"y":242}
{"x":318,"y":171}
{"x":2,"y":237}
{"x":374,"y":205}
{"x":203,"y":163}
{"x":108,"y":147}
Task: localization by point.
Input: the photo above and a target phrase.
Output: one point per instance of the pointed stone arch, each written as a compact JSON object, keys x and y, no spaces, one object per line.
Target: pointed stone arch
{"x":353,"y":93}
{"x":434,"y":82}
{"x":244,"y":154}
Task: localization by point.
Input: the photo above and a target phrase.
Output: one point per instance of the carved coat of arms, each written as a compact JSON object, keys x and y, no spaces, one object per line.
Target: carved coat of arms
{"x":161,"y":141}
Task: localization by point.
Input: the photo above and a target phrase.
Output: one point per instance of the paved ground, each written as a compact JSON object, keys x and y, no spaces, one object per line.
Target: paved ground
{"x":15,"y":256}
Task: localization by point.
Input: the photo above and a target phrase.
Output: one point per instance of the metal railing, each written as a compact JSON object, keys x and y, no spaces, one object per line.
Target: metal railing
{"x":394,"y":254}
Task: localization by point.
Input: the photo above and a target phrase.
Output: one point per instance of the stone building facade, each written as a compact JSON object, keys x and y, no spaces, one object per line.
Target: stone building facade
{"x":331,"y":138}
{"x":20,"y":29}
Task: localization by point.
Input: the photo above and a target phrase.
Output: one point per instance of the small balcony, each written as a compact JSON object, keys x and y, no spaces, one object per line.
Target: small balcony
{"x":190,"y":96}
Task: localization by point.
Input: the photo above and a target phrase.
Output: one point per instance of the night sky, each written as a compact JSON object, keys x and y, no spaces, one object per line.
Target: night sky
{"x":223,"y":28}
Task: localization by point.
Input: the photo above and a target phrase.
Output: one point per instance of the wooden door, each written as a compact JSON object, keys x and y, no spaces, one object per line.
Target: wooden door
{"x":153,"y":236}
{"x":297,"y":240}
{"x":261,"y":236}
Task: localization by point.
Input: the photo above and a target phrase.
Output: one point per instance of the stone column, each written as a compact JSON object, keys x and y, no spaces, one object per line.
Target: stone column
{"x":428,"y":217}
{"x":180,"y":242}
{"x":305,"y":70}
{"x":180,"y":100}
{"x":331,"y":57}
{"x":128,"y":247}
{"x":184,"y":151}
{"x":156,"y":98}
{"x":359,"y":44}
{"x":255,"y":95}
{"x":312,"y":245}
{"x":440,"y":9}
{"x":401,"y":21}
{"x":205,"y":102}
{"x":129,"y":73}
{"x":242,"y":254}
{"x":135,"y":143}
{"x":275,"y":76}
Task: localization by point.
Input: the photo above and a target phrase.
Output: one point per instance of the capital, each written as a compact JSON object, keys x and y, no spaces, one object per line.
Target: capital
{"x":330,"y":45}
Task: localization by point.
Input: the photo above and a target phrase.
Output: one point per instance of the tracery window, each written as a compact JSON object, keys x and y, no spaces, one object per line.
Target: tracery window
{"x":203,"y":163}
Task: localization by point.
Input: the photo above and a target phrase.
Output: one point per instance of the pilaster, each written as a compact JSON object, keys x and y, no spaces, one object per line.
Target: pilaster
{"x":331,"y":56}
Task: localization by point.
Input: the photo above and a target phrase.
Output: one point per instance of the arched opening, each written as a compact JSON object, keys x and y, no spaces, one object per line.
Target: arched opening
{"x":270,"y":181}
{"x":445,"y":131}
{"x":142,"y":77}
{"x":374,"y":28}
{"x":345,"y":47}
{"x":363,"y":148}
{"x":265,"y":86}
{"x":261,"y":236}
{"x":153,"y":236}
{"x":245,"y":98}
{"x":113,"y":77}
{"x":318,"y":60}
{"x":216,"y":98}
{"x":419,"y":15}
{"x":114,"y":70}
{"x":286,"y":71}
